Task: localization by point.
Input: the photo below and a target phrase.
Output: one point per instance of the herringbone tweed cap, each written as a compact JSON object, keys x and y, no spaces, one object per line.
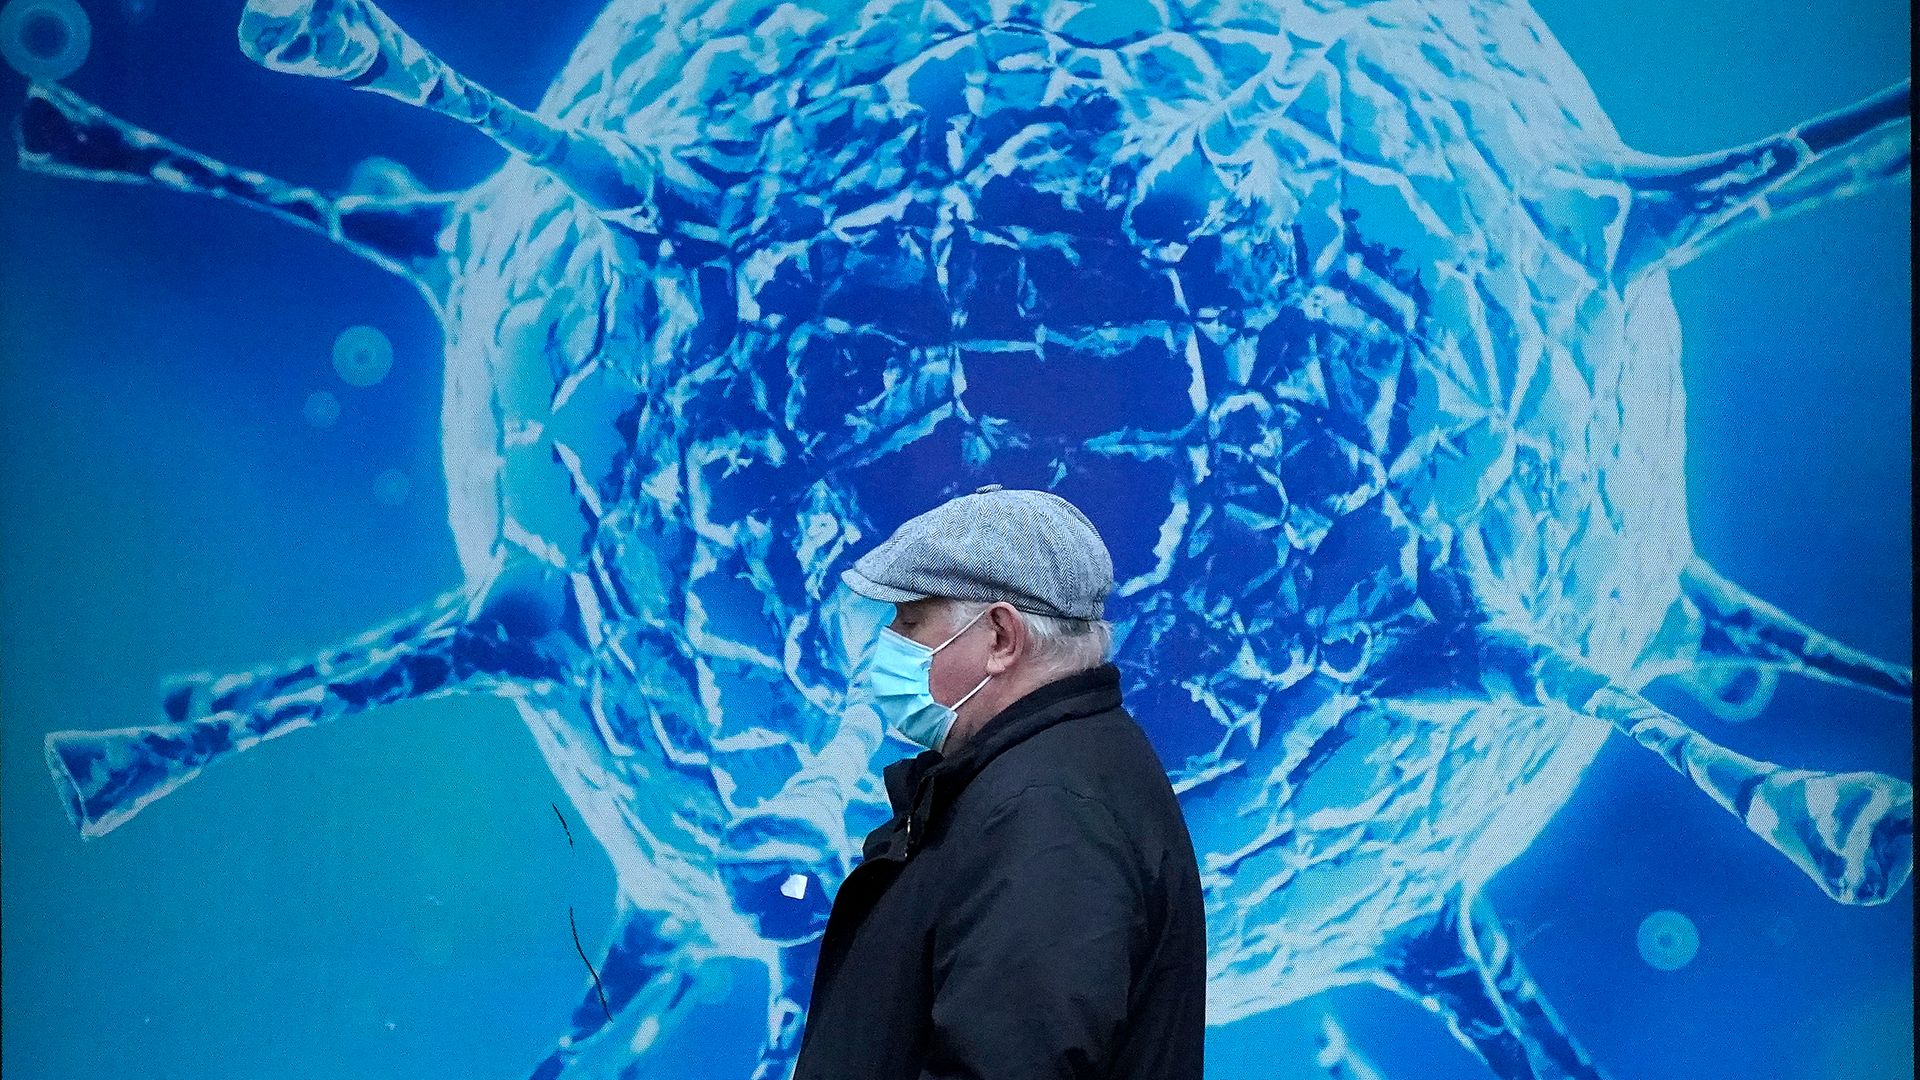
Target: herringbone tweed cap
{"x":1032,"y":549}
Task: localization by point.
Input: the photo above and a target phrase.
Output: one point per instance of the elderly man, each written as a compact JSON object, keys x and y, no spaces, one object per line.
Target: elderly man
{"x":1033,"y":909}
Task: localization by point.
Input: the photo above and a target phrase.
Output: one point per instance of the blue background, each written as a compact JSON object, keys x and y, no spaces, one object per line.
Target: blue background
{"x":388,"y":896}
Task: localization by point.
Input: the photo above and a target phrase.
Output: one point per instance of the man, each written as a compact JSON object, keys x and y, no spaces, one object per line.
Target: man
{"x":1033,"y":909}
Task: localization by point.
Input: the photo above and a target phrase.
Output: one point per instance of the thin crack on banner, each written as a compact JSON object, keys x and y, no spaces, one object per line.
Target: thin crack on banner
{"x":597,"y":988}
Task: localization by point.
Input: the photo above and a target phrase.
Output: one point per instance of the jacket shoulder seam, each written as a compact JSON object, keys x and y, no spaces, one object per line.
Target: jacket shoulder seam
{"x":997,"y":808}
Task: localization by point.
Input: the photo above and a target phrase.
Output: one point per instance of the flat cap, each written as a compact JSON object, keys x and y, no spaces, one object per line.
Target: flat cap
{"x":1032,"y":549}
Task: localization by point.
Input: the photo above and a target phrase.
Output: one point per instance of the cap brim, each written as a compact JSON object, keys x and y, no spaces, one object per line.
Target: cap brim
{"x":874,"y":590}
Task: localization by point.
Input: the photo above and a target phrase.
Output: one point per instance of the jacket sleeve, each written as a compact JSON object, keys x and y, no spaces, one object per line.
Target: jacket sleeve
{"x":1032,"y":954}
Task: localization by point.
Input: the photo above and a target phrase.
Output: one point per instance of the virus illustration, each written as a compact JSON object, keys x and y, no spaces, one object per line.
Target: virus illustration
{"x":1348,"y":323}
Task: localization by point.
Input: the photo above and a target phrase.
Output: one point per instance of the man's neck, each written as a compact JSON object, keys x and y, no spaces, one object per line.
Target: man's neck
{"x":993,"y":698}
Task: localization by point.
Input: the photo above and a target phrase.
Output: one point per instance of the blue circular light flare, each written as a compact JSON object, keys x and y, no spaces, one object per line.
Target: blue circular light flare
{"x":1668,"y":940}
{"x":45,"y":40}
{"x":392,"y":487}
{"x":322,"y":409}
{"x":362,"y":355}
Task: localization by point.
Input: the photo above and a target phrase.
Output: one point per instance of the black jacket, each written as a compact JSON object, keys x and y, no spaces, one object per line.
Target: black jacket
{"x":1032,"y":911}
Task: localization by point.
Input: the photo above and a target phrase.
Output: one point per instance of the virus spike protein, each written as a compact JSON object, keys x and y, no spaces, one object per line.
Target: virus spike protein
{"x":62,"y":134}
{"x":1851,"y":833}
{"x":360,"y":45}
{"x":106,"y":777}
{"x":1683,"y":207}
{"x":1460,"y":966}
{"x":1728,"y":646}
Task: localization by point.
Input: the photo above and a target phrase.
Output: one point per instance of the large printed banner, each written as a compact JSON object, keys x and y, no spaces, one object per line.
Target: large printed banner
{"x":1498,"y":416}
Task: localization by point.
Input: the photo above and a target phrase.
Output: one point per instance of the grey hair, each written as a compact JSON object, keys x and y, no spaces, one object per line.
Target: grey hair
{"x":1063,"y":645}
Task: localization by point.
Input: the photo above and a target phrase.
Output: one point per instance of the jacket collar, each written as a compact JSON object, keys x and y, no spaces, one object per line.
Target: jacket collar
{"x":917,"y":785}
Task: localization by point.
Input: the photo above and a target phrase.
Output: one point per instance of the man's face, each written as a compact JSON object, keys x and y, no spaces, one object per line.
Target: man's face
{"x":960,"y":666}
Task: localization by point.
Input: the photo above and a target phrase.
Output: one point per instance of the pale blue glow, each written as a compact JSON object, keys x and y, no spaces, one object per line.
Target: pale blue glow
{"x":1668,"y":940}
{"x":45,"y":39}
{"x":321,"y":409}
{"x":362,"y":355}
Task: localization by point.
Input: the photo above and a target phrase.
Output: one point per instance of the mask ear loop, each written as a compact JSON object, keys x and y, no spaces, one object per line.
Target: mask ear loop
{"x":955,"y":707}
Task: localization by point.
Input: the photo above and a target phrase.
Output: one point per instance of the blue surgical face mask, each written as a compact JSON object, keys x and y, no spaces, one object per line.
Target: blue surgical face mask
{"x":900,"y":677}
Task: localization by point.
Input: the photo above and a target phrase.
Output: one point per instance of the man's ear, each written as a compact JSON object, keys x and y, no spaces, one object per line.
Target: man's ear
{"x":1010,"y":639}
